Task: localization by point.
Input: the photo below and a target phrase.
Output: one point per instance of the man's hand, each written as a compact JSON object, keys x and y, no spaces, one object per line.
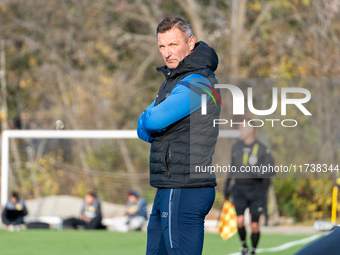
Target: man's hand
{"x":84,"y":218}
{"x":132,"y":209}
{"x":141,"y":133}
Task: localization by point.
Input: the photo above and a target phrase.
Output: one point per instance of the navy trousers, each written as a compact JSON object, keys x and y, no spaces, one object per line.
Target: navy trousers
{"x":328,"y":244}
{"x":176,"y":224}
{"x":15,"y":221}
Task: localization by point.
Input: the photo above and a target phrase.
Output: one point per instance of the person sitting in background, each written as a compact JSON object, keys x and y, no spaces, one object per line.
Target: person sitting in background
{"x":90,"y":216}
{"x":135,"y":211}
{"x":14,"y":212}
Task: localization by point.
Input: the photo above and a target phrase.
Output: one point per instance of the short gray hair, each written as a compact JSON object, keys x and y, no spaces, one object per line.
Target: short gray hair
{"x":176,"y":21}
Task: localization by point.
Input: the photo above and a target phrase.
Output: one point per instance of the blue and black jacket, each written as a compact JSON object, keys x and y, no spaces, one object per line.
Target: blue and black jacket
{"x":181,"y":138}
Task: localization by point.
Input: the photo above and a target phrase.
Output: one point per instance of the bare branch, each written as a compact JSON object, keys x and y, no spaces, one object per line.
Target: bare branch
{"x":191,"y":8}
{"x":256,"y":24}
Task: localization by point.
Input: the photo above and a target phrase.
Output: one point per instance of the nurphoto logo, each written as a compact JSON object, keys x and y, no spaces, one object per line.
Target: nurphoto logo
{"x":239,"y":102}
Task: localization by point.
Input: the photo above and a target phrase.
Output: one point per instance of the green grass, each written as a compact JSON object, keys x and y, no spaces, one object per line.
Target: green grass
{"x":50,"y":242}
{"x":214,"y":245}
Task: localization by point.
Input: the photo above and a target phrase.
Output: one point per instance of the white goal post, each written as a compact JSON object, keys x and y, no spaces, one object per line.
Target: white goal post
{"x":66,"y":134}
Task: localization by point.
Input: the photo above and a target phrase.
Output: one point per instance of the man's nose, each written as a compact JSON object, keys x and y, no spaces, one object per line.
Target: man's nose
{"x":167,"y":53}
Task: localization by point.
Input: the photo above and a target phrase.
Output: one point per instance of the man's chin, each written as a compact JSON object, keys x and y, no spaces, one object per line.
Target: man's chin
{"x":172,"y":65}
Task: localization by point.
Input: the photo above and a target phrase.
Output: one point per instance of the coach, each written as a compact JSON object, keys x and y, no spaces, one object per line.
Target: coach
{"x":181,"y":138}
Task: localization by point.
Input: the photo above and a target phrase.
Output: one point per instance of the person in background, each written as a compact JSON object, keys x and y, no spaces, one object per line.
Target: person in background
{"x":90,"y":216}
{"x":14,"y":212}
{"x":249,"y":190}
{"x":135,"y":213}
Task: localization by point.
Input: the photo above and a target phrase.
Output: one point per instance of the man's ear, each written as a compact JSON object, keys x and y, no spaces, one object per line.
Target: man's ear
{"x":192,"y":42}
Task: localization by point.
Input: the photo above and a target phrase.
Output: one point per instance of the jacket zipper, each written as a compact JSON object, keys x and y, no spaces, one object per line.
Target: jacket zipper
{"x":164,"y":87}
{"x":169,"y":160}
{"x":166,"y":81}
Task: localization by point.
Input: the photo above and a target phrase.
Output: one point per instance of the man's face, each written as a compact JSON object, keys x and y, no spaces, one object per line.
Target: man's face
{"x":132,"y":199}
{"x":13,"y":200}
{"x":89,"y":199}
{"x":246,"y":132}
{"x":175,"y":46}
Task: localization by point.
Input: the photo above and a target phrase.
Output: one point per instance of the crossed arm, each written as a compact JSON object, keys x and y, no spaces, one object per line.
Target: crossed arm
{"x":184,"y":99}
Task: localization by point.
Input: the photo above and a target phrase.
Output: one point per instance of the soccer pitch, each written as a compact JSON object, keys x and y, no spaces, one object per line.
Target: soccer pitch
{"x":50,"y":242}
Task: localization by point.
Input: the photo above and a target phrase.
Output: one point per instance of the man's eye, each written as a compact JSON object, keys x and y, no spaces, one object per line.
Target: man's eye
{"x":173,"y":44}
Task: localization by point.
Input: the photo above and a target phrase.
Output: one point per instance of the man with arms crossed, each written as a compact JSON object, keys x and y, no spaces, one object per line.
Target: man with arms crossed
{"x":181,"y":138}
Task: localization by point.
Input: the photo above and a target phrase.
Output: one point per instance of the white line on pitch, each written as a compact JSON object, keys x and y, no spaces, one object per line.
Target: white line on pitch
{"x":285,"y":246}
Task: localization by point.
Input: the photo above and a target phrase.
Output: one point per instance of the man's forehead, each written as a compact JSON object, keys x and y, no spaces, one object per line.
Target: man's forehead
{"x":171,"y":35}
